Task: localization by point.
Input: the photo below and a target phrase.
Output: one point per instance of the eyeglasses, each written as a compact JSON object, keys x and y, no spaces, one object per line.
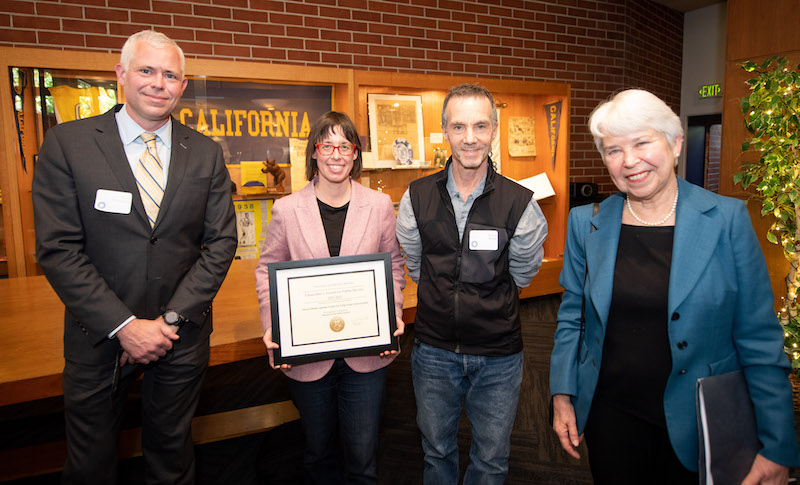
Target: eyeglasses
{"x":344,"y":150}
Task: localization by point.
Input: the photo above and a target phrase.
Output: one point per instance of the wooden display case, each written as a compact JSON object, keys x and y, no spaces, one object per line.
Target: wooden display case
{"x":514,"y":99}
{"x":15,"y":182}
{"x":350,"y":90}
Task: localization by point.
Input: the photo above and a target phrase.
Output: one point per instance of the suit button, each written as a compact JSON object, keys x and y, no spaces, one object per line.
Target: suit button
{"x":682,"y":372}
{"x":154,"y":240}
{"x":682,"y":345}
{"x":676,"y":316}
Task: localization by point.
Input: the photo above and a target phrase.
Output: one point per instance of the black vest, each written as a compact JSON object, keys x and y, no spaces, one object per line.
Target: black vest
{"x":467,"y":300}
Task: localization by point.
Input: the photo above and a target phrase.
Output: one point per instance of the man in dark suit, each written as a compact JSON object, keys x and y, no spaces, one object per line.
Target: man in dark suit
{"x":135,"y":231}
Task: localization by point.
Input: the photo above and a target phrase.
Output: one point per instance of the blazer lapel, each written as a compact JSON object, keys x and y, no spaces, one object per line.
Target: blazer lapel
{"x":355,"y":224}
{"x":178,"y":161}
{"x":310,"y":222}
{"x":601,"y":254}
{"x":695,"y":239}
{"x":107,"y":136}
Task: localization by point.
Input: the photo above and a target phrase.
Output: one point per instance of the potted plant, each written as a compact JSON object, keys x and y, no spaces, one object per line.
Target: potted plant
{"x":772,"y":116}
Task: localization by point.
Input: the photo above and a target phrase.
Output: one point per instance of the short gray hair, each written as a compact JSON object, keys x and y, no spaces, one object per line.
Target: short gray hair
{"x":468,"y":90}
{"x":630,"y":111}
{"x":155,"y":39}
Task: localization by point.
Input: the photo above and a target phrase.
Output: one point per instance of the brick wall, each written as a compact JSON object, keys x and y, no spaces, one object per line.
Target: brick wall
{"x":713,"y":157}
{"x":597,"y":46}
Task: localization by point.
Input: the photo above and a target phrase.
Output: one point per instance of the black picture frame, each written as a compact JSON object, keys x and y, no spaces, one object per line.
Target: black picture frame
{"x":313,"y":302}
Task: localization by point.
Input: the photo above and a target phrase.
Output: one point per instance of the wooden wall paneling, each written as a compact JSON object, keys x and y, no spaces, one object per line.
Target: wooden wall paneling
{"x":755,"y":31}
{"x":759,"y":29}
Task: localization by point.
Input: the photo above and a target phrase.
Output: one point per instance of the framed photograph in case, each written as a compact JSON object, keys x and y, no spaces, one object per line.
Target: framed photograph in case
{"x":395,"y":129}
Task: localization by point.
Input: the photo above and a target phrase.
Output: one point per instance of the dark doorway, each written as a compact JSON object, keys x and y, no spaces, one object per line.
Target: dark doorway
{"x":703,"y":144}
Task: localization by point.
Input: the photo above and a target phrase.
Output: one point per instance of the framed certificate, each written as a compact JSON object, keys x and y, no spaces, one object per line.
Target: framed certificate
{"x":332,"y":307}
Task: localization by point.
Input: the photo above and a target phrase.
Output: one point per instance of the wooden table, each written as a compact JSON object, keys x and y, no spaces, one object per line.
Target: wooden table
{"x":32,"y":360}
{"x":32,"y":332}
{"x":32,"y":327}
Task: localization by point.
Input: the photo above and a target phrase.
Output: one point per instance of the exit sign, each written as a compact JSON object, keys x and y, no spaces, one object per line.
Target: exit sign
{"x":710,"y":91}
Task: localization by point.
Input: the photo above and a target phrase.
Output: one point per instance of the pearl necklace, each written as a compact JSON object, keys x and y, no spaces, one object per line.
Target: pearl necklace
{"x":662,"y":221}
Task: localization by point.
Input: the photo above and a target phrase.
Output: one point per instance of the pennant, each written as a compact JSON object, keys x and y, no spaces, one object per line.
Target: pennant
{"x":552,"y":113}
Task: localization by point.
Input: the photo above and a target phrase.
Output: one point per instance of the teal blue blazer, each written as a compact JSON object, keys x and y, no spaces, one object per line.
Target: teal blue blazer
{"x":720,"y":304}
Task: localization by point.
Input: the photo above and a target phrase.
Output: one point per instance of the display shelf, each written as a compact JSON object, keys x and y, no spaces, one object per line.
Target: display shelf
{"x":349,"y":93}
{"x":516,"y":99}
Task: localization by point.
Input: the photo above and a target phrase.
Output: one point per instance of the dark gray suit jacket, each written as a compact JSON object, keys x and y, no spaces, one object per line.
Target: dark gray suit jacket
{"x":107,"y":266}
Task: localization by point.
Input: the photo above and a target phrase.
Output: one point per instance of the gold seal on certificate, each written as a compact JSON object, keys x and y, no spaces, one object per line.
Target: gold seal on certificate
{"x":337,"y":324}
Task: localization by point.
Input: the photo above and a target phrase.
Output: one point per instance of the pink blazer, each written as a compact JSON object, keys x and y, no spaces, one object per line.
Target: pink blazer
{"x":295,"y":232}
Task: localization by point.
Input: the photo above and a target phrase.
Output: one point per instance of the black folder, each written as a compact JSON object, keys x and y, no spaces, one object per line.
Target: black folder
{"x":726,"y":427}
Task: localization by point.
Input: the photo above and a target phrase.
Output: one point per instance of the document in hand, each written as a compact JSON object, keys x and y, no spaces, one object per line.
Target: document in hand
{"x":727,"y":429}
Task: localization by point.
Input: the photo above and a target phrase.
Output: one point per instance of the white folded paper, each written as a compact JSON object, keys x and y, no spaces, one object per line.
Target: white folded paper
{"x":539,"y":184}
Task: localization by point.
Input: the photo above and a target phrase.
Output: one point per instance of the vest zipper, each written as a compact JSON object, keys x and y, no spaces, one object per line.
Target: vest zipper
{"x":456,"y":301}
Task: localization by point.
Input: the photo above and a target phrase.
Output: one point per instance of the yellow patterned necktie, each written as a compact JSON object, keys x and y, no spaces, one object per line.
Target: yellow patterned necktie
{"x":150,"y":178}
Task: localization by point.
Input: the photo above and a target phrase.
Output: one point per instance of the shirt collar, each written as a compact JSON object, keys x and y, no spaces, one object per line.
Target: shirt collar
{"x":452,"y":190}
{"x":129,"y":130}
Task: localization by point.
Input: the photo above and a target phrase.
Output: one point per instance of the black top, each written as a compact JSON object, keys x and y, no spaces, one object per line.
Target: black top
{"x":636,"y":356}
{"x":333,"y":222}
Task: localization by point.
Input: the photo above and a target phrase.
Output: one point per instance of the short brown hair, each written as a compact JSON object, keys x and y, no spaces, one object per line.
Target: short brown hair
{"x":468,"y":90}
{"x":326,"y":124}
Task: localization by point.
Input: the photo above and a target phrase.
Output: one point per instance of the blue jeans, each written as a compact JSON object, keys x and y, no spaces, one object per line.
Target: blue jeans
{"x":444,"y":381}
{"x":344,"y":407}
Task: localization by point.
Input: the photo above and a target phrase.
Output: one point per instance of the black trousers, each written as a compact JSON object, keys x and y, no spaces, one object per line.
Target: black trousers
{"x":625,"y":449}
{"x":93,"y":417}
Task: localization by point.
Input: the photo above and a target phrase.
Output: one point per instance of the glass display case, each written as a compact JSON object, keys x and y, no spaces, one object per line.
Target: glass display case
{"x":261,"y":113}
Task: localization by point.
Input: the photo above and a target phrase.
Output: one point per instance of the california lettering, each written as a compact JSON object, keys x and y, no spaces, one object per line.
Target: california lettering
{"x":238,"y":122}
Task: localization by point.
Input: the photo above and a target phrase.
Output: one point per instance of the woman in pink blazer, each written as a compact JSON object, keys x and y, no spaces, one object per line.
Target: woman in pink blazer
{"x":340,"y":401}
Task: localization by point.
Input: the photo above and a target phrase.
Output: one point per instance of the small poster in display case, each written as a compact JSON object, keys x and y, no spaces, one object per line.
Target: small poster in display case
{"x":395,"y":127}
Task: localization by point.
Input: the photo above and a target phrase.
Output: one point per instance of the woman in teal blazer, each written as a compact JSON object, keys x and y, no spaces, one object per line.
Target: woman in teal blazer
{"x":674,"y":288}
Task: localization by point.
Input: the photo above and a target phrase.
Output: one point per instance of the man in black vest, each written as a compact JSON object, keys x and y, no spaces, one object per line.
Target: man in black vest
{"x":471,"y":238}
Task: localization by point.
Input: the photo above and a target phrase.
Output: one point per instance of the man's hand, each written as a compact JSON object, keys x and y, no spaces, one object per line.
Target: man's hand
{"x":145,"y":341}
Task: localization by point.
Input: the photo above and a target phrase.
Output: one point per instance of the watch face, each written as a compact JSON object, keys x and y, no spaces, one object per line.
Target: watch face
{"x":171,"y":317}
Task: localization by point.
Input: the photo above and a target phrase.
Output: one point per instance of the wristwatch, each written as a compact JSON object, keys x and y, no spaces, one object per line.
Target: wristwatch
{"x":171,"y":317}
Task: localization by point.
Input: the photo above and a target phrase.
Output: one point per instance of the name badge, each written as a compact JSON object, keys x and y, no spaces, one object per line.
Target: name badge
{"x":483,"y":240}
{"x":113,"y":201}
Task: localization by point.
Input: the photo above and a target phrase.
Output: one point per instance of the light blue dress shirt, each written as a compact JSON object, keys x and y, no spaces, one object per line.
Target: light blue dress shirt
{"x":129,"y":133}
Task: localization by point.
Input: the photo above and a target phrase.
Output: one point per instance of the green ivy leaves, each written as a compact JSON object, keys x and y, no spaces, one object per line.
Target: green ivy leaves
{"x":772,"y":118}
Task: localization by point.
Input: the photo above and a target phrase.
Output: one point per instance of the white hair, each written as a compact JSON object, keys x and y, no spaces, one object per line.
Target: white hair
{"x":153,"y":38}
{"x":634,"y":110}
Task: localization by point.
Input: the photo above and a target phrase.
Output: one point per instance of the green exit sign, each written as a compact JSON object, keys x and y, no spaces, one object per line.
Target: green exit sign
{"x":710,"y":91}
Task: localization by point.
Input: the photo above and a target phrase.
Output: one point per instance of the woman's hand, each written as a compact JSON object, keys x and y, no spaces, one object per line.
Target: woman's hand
{"x":766,"y":472}
{"x":270,"y":347}
{"x":401,"y":328}
{"x":564,"y":424}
